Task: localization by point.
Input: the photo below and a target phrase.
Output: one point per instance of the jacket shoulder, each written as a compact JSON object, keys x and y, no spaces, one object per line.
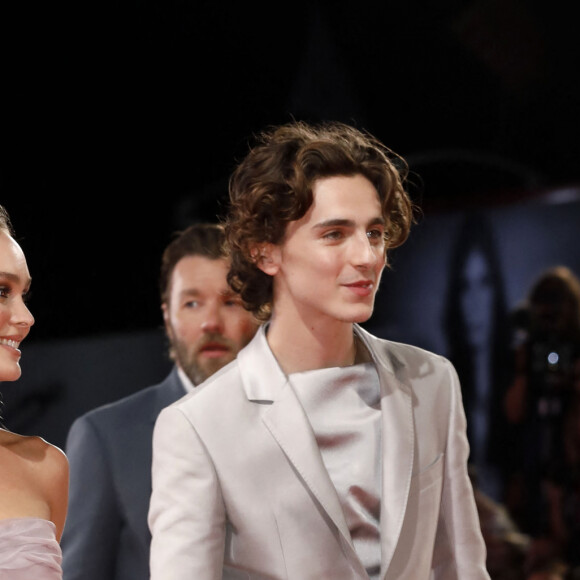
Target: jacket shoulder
{"x":403,"y":353}
{"x":137,"y":405}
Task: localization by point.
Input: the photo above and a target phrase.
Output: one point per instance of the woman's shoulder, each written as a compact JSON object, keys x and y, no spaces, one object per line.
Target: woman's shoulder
{"x":34,"y":449}
{"x":37,"y":485}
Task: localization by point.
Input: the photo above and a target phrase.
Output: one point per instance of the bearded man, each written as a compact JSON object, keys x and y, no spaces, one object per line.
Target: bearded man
{"x":109,"y":449}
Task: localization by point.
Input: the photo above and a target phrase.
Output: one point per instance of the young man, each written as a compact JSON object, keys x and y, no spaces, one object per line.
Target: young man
{"x":109,"y":449}
{"x":323,"y":452}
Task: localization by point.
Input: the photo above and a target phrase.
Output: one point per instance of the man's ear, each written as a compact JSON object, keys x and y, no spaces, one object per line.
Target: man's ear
{"x":165,"y":312}
{"x":267,"y":257}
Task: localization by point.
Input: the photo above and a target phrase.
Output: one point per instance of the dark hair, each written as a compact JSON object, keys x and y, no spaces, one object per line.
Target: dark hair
{"x":207,"y":240}
{"x":273,"y":185}
{"x":5,"y":223}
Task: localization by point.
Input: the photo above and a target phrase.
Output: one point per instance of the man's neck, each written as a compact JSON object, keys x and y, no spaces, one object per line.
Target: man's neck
{"x":187,"y":383}
{"x":300,"y":347}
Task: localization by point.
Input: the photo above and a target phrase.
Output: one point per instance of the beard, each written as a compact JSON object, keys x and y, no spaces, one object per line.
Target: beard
{"x":189,"y":357}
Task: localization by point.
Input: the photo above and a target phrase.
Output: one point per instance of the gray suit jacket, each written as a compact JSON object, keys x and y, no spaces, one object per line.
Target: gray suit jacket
{"x":109,"y":449}
{"x":240,"y":489}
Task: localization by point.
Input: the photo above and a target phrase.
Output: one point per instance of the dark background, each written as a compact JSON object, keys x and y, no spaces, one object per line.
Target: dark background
{"x":122,"y":120}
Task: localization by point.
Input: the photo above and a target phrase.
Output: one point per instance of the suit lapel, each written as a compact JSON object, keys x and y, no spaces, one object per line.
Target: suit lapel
{"x":286,"y":421}
{"x":288,"y":424}
{"x":397,"y":468}
{"x":398,"y":443}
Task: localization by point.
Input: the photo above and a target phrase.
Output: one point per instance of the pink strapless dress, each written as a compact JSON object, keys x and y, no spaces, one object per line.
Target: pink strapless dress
{"x":29,"y":550}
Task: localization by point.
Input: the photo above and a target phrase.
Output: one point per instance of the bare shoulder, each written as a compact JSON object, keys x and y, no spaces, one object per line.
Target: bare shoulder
{"x":37,"y":454}
{"x":34,"y":479}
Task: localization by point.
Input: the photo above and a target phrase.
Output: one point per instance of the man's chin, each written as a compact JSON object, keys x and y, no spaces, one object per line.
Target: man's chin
{"x":207,"y":367}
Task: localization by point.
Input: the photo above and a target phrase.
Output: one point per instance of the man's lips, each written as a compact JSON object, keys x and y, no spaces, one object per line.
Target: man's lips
{"x":361,"y":287}
{"x":214,"y":349}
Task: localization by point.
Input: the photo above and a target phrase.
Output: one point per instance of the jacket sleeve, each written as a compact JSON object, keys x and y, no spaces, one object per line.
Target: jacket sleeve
{"x":187,"y":513}
{"x":459,"y":546}
{"x":91,"y":532}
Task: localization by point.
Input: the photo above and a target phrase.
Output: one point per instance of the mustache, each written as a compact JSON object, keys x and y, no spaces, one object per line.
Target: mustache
{"x":214,"y":338}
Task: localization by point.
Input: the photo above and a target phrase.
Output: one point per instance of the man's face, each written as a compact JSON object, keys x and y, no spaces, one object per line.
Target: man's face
{"x":204,"y":319}
{"x":330,"y":263}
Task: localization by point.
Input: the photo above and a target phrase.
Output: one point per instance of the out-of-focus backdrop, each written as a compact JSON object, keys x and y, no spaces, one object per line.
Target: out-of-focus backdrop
{"x":121,"y":122}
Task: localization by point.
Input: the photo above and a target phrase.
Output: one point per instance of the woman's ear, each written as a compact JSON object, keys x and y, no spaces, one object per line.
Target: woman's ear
{"x":267,"y":257}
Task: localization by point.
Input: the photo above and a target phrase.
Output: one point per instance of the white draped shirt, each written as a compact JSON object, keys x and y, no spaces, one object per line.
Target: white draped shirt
{"x":343,"y":407}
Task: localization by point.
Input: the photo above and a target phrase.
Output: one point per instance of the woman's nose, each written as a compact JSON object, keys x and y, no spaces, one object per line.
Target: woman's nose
{"x":22,"y":315}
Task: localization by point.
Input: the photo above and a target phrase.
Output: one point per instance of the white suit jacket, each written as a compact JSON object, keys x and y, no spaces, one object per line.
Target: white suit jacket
{"x":240,"y":489}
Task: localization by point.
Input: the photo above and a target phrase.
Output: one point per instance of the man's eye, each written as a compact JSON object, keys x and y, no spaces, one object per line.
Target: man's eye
{"x":192,"y":304}
{"x":376,"y":235}
{"x":333,"y":235}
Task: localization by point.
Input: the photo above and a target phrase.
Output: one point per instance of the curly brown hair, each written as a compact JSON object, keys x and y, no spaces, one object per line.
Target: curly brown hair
{"x":273,"y":184}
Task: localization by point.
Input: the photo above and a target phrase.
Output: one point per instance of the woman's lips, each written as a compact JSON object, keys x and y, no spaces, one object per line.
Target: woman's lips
{"x":11,"y":346}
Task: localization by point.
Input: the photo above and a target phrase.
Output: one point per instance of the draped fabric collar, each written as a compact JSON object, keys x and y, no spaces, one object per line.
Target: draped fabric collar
{"x":265,"y":383}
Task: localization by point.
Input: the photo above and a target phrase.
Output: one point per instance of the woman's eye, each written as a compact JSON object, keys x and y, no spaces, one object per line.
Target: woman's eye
{"x":4,"y":291}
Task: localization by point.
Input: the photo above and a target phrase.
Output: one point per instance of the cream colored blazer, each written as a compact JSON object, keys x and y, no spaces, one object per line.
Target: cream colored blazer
{"x":240,"y":489}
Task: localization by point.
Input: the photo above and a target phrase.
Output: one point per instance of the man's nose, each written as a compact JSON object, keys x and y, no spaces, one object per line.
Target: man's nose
{"x":364,"y":254}
{"x":213,"y":319}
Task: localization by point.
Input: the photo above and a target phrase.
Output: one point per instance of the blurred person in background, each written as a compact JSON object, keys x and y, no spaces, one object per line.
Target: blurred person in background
{"x":106,"y":535}
{"x":544,"y":401}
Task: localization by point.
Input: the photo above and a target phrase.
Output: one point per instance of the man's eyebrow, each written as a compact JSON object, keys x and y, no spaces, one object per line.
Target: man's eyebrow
{"x":190,"y":292}
{"x":196,"y":292}
{"x":341,"y":222}
{"x":229,"y":294}
{"x":335,"y":223}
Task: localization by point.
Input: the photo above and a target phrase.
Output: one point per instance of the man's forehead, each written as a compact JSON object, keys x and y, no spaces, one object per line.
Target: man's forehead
{"x":197,"y":275}
{"x":201,"y":265}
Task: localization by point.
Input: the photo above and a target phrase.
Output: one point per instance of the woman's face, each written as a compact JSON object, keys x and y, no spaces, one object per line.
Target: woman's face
{"x":329,"y":266}
{"x":477,"y":298}
{"x":15,"y":318}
